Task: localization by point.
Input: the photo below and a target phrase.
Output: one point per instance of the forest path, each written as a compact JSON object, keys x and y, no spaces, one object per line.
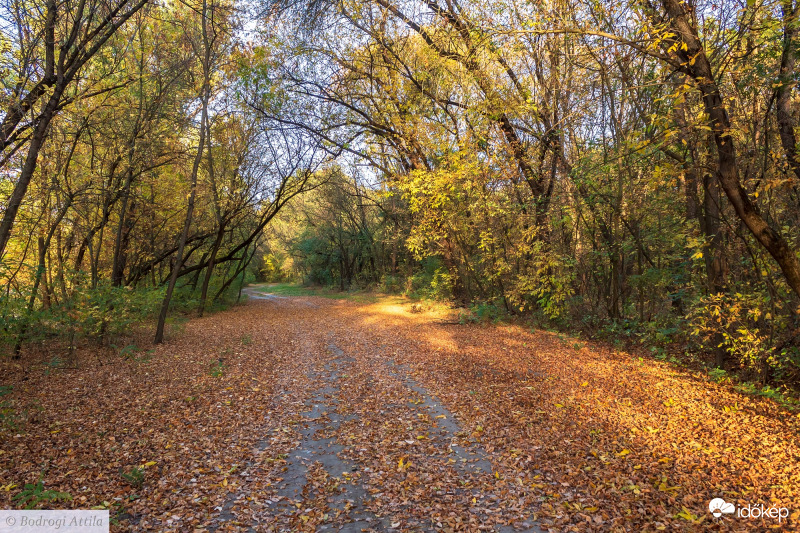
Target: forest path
{"x":413,"y":423}
{"x":364,"y":418}
{"x":304,"y":413}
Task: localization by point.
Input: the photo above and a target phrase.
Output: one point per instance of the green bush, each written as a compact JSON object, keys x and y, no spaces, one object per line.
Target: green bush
{"x":391,"y":284}
{"x":488,"y":311}
{"x":432,"y":281}
{"x":101,"y":313}
{"x":752,"y":337}
{"x":91,"y":313}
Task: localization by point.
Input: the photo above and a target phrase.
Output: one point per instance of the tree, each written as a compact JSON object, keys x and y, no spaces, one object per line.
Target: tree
{"x":48,"y":60}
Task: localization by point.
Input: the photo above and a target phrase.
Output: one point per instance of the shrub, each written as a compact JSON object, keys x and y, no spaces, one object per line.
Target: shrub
{"x":738,"y":324}
{"x":547,"y":284}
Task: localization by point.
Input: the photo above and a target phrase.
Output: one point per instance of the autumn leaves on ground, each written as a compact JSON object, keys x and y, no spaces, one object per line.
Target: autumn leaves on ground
{"x":308,"y":414}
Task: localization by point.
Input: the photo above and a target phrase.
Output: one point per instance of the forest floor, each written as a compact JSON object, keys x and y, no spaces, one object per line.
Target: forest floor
{"x":305,"y":413}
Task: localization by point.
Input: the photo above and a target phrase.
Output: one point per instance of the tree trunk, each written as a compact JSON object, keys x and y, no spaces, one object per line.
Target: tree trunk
{"x":696,"y":64}
{"x":21,"y":187}
{"x":210,"y":269}
{"x":123,"y":234}
{"x":204,"y":97}
{"x":44,"y":244}
{"x":783,"y":93}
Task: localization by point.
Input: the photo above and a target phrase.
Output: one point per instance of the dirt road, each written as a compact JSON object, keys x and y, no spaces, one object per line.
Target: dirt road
{"x":375,"y":451}
{"x":310,"y":414}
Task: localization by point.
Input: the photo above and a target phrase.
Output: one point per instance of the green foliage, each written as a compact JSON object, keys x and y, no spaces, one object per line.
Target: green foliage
{"x":547,"y":283}
{"x":91,"y":313}
{"x":738,"y":324}
{"x":432,"y":281}
{"x":274,"y":268}
{"x":290,"y":289}
{"x":781,"y":395}
{"x":327,"y":238}
{"x":9,"y":419}
{"x":101,"y":314}
{"x":127,"y":352}
{"x":113,"y":310}
{"x":718,"y":374}
{"x":488,"y":312}
{"x":34,"y":494}
{"x":132,"y":352}
{"x":217,"y":368}
{"x":134,"y":477}
{"x":116,"y":509}
{"x":391,"y":284}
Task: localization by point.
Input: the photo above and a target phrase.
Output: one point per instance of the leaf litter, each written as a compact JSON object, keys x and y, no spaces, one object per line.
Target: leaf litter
{"x":306,"y":414}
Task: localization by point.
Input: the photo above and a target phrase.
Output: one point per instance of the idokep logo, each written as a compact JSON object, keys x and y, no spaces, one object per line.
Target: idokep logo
{"x":719,"y":507}
{"x":758,"y":511}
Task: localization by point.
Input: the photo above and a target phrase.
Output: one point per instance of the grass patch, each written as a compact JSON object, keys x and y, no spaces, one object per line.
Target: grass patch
{"x":291,"y":289}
